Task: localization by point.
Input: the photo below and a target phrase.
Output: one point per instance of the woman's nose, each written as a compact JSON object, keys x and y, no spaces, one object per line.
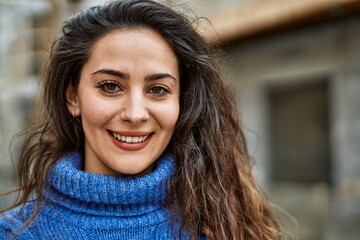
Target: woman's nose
{"x":134,"y":110}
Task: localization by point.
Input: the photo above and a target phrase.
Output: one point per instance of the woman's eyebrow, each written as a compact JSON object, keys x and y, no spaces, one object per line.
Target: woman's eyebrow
{"x":112,"y":72}
{"x":157,"y":76}
{"x":117,"y":73}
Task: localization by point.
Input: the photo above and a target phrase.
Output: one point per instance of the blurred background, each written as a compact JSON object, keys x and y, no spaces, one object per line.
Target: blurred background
{"x":294,"y":66}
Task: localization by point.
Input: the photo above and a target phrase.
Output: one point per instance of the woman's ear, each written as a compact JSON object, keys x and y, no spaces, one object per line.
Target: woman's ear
{"x":72,"y":100}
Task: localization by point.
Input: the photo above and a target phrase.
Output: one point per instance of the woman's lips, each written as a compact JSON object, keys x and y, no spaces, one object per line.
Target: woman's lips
{"x":130,"y":141}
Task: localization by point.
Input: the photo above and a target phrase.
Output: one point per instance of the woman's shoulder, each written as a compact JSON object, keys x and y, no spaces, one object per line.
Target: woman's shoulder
{"x":8,"y":222}
{"x":12,"y":221}
{"x":10,"y":217}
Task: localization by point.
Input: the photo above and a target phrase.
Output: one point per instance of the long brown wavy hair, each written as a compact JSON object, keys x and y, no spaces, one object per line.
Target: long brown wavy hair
{"x":212,"y":192}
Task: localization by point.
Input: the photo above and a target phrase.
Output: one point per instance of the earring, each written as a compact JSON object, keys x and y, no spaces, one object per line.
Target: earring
{"x":73,"y":113}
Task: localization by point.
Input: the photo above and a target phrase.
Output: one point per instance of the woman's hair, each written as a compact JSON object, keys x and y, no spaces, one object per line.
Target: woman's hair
{"x":212,"y":192}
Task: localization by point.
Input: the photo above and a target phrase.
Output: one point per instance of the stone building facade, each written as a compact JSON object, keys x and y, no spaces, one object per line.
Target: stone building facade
{"x":298,"y":92}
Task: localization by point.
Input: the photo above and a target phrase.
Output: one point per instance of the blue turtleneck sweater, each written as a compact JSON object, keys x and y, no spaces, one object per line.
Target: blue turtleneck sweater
{"x":81,"y":205}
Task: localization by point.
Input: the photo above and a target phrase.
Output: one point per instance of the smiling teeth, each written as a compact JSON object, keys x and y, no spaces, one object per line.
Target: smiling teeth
{"x":128,"y":139}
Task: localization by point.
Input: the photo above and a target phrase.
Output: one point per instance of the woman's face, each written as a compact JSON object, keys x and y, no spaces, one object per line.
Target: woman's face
{"x":128,"y":101}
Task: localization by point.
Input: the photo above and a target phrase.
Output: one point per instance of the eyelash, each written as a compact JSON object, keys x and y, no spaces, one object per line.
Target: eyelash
{"x":162,"y":88}
{"x":103,"y":85}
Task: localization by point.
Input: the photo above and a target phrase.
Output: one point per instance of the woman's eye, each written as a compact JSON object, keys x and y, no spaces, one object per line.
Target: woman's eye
{"x":109,"y":87}
{"x":157,"y":90}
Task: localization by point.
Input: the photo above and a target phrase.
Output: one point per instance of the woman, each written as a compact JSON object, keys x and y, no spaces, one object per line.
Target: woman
{"x":139,"y":137}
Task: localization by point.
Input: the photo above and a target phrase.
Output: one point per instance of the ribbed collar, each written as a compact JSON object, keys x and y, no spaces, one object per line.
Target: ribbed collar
{"x":102,"y":195}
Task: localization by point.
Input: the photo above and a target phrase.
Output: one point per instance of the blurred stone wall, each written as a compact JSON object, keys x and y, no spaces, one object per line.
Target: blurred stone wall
{"x":27,"y":29}
{"x":299,"y":57}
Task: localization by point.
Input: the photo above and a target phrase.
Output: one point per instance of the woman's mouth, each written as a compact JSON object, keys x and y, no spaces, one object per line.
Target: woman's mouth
{"x":130,"y":141}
